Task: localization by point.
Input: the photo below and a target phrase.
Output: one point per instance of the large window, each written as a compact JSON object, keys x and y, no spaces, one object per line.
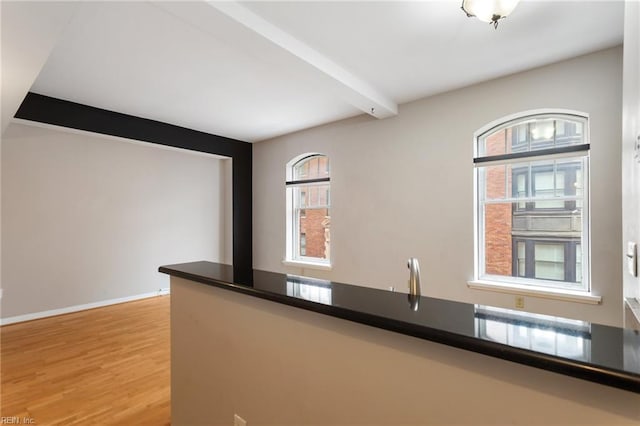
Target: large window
{"x":308,"y":203}
{"x":531,"y":179}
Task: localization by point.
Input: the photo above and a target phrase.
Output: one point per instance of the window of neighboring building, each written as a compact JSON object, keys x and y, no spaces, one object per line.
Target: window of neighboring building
{"x":308,"y":205}
{"x":303,"y":202}
{"x":303,"y":244}
{"x":531,"y":178}
{"x":548,"y":259}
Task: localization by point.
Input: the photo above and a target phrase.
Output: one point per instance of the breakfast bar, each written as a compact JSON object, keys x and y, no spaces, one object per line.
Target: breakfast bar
{"x":383,"y":352}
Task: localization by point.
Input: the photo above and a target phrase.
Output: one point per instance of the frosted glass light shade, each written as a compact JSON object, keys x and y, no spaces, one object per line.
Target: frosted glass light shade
{"x":489,"y":10}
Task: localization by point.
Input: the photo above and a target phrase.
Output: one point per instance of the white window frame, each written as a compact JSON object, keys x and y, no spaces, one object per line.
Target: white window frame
{"x":292,"y":258}
{"x":520,"y":285}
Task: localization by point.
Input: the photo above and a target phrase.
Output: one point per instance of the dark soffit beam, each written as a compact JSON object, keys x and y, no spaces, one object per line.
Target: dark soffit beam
{"x":58,"y":112}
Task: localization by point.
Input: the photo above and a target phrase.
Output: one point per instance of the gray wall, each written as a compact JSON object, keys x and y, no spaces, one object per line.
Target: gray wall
{"x":88,"y":219}
{"x":403,"y":186}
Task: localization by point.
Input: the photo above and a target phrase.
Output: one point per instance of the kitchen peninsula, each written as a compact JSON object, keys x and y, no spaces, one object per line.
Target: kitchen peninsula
{"x":298,"y":361}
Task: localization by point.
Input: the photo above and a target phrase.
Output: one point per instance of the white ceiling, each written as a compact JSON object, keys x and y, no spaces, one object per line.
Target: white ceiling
{"x":256,"y":70}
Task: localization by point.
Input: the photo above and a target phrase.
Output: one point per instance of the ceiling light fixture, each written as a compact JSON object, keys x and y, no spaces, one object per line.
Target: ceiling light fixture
{"x":489,"y":10}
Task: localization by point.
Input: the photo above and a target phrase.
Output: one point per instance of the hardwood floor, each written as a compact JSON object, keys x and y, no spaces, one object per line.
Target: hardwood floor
{"x":105,"y":366}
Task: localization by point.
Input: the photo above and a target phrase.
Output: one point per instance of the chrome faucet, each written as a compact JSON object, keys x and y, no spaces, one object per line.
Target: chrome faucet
{"x":414,"y":284}
{"x":414,"y":276}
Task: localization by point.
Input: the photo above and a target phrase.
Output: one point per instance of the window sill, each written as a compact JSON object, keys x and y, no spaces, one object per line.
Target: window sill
{"x":634,"y":306}
{"x":542,"y":292}
{"x":307,"y":265}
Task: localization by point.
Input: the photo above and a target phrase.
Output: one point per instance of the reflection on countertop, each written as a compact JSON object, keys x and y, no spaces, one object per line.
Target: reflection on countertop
{"x":308,"y":289}
{"x":542,"y":333}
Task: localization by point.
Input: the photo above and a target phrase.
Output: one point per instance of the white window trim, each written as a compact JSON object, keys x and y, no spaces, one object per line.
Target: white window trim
{"x":513,"y":285}
{"x":536,"y":291}
{"x":290,"y":249}
{"x":308,"y":264}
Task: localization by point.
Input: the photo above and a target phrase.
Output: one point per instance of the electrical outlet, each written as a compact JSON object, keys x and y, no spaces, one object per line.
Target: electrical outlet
{"x":239,"y":421}
{"x":520,"y":302}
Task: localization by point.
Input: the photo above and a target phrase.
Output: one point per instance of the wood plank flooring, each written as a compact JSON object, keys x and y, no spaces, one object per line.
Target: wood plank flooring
{"x":105,"y":366}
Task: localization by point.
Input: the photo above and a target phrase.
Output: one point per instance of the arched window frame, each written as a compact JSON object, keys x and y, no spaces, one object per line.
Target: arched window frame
{"x":294,"y":256}
{"x":482,"y":161}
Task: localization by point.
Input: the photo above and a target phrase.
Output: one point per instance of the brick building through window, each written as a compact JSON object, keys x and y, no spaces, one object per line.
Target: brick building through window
{"x":308,"y":215}
{"x":531,"y":175}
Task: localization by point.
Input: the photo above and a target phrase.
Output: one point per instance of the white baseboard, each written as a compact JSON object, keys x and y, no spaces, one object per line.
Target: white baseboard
{"x":76,"y":308}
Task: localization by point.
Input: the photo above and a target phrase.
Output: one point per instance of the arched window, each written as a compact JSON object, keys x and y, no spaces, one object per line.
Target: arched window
{"x":308,"y":215}
{"x":532,"y":206}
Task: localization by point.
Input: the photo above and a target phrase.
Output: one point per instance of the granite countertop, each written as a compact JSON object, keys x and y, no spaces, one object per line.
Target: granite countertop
{"x":598,"y":353}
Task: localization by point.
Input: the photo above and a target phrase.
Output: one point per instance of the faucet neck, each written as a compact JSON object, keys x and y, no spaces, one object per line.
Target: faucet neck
{"x":414,"y":276}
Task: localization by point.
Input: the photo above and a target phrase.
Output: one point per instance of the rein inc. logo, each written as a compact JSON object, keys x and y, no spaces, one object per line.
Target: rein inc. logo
{"x":15,"y":420}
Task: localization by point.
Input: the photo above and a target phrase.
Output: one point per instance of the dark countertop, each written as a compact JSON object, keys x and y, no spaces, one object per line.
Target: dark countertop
{"x":589,"y":351}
